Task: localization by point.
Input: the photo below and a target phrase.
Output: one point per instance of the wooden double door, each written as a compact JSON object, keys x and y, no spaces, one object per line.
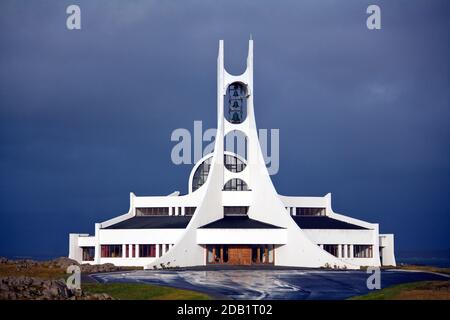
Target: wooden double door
{"x":240,"y":255}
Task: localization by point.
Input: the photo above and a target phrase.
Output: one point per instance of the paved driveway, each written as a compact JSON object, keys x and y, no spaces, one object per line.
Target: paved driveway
{"x":269,"y":284}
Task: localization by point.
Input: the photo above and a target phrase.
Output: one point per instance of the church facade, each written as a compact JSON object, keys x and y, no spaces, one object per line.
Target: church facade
{"x":233,"y":213}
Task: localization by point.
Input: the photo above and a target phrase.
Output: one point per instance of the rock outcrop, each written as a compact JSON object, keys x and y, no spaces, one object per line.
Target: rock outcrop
{"x":60,"y":263}
{"x":30,"y":288}
{"x":25,"y":282}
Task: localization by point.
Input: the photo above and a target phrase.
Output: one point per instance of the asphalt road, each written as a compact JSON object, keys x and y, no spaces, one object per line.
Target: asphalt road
{"x":269,"y":284}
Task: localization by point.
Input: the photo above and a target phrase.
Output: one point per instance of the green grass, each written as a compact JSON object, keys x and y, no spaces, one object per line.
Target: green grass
{"x":421,"y":290}
{"x":424,"y":268}
{"x":140,"y":291}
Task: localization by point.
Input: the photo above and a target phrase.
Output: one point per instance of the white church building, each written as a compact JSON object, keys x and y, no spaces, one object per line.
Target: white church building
{"x":233,"y":213}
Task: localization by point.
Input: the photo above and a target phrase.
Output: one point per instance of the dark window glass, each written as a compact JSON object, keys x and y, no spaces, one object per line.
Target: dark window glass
{"x":189,"y":211}
{"x":201,"y":174}
{"x":362,"y":251}
{"x":111,"y":251}
{"x":235,"y":211}
{"x":331,"y":248}
{"x":88,"y":253}
{"x":152,"y":211}
{"x":310,"y":211}
{"x":235,"y":185}
{"x":233,"y":163}
{"x":147,"y":250}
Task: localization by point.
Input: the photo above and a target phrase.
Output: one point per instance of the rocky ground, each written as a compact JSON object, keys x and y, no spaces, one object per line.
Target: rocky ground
{"x":29,"y":288}
{"x":44,"y":280}
{"x":59,"y":263}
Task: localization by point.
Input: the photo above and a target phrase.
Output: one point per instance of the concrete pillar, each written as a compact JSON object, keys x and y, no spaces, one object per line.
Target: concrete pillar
{"x":137,"y":250}
{"x":351,"y":251}
{"x":183,"y":211}
{"x":339,"y":252}
{"x":124,"y":250}
{"x":156,"y":250}
{"x":97,"y":244}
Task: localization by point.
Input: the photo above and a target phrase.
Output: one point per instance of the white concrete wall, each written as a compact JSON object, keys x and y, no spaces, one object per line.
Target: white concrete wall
{"x":387,"y":249}
{"x":86,"y":241}
{"x":75,"y":251}
{"x":341,"y":236}
{"x":137,"y":236}
{"x":241,"y":236}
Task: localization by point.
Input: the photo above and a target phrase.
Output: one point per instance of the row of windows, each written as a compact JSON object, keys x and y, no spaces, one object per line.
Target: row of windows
{"x":232,"y":185}
{"x":188,"y":211}
{"x":302,"y":211}
{"x":362,"y":251}
{"x":345,"y":251}
{"x":165,"y":211}
{"x":131,"y":250}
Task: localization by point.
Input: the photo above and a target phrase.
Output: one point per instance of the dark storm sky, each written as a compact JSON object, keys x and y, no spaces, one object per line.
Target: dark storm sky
{"x":86,"y":116}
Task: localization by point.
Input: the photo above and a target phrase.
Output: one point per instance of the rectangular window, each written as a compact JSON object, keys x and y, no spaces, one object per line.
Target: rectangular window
{"x":133,"y":250}
{"x":88,"y":253}
{"x":111,"y":251}
{"x":160,"y":249}
{"x":189,"y":211}
{"x":147,"y":251}
{"x":235,"y":211}
{"x":331,"y":248}
{"x":160,"y":211}
{"x":310,"y":211}
{"x":179,"y":211}
{"x":348,"y":251}
{"x":210,"y":257}
{"x":362,"y":251}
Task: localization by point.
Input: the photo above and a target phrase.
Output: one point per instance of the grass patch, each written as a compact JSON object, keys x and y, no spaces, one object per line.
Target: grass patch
{"x":141,"y":291}
{"x":11,"y":270}
{"x":422,"y":290}
{"x":424,"y":268}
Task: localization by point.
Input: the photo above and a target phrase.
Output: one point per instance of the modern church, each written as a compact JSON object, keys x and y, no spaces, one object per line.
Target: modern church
{"x":232,"y":214}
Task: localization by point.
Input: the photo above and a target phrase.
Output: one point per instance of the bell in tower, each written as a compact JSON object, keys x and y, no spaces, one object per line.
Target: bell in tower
{"x":237,"y":102}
